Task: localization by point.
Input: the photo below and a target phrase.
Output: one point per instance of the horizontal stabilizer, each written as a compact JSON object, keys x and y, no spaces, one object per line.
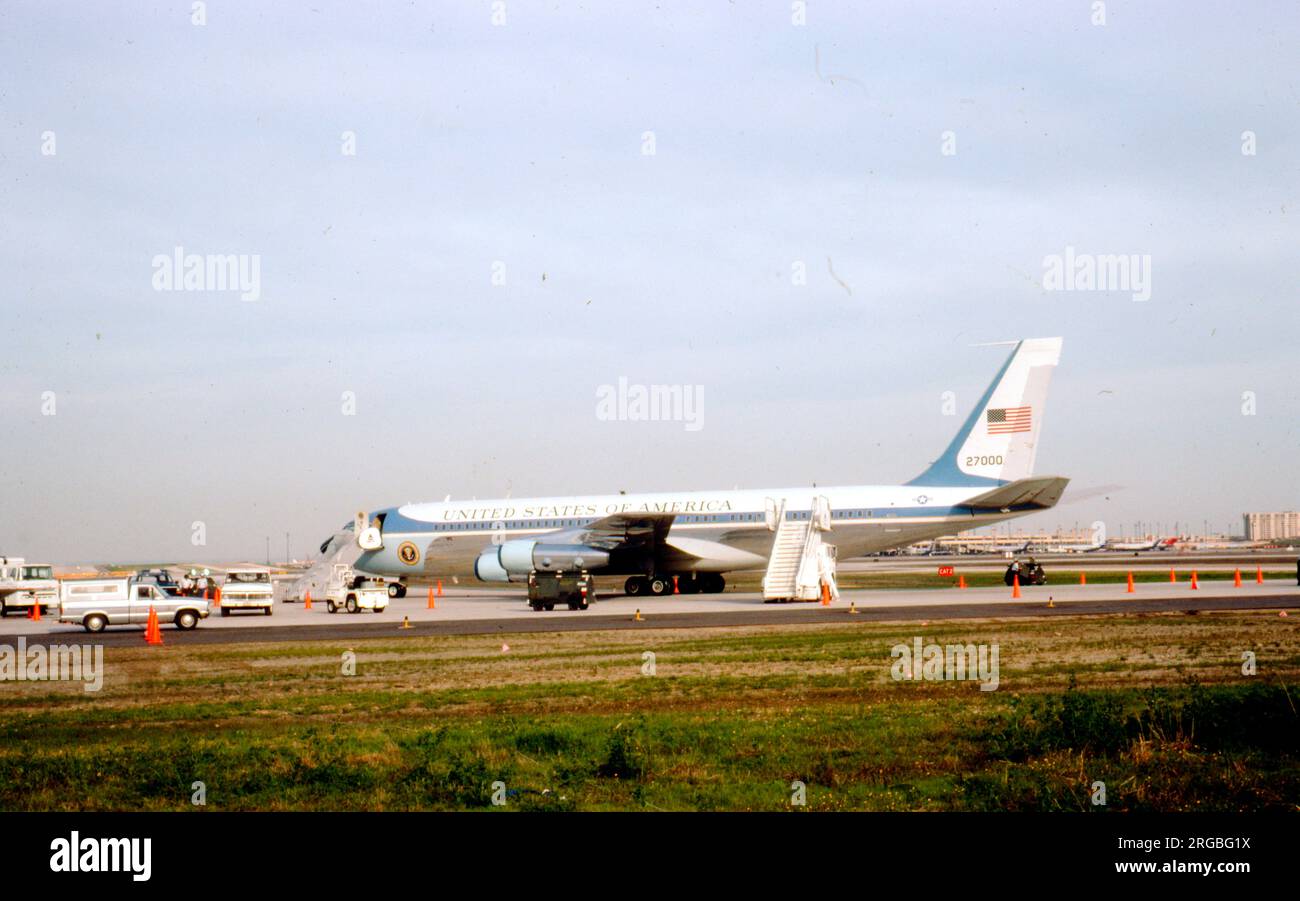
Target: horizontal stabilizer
{"x":1041,"y":492}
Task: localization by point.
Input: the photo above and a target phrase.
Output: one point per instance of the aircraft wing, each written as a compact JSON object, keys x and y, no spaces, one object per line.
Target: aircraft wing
{"x":1040,"y":491}
{"x":619,"y":531}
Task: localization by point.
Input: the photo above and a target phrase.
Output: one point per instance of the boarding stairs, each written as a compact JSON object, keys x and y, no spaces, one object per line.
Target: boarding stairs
{"x":802,"y":561}
{"x":340,"y":549}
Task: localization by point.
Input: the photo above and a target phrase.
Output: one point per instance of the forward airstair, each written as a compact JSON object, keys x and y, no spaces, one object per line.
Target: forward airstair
{"x":340,"y":549}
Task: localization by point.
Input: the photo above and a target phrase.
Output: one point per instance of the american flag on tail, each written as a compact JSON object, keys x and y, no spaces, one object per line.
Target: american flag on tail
{"x":1005,"y":420}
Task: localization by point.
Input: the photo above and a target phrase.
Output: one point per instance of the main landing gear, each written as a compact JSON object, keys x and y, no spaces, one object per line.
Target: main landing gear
{"x":689,"y":583}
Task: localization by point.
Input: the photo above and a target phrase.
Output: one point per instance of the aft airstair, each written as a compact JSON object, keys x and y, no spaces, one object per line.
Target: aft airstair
{"x":802,"y":562}
{"x":341,"y":548}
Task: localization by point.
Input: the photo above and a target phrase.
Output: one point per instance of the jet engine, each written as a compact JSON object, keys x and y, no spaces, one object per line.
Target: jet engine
{"x":512,"y":560}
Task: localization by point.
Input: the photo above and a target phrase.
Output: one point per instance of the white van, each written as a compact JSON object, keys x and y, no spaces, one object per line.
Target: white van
{"x":23,"y":585}
{"x":98,"y":603}
{"x":247,"y":588}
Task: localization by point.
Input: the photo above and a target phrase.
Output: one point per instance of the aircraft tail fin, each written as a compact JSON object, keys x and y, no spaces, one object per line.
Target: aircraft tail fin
{"x":999,"y":440}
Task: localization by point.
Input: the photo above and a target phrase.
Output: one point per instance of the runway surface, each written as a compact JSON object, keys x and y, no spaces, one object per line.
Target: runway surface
{"x":478,"y":612}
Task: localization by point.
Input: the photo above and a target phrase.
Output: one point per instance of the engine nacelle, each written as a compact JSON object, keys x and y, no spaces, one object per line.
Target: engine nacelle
{"x":524,"y":555}
{"x":516,"y":556}
{"x":566,"y":557}
{"x":487,"y":568}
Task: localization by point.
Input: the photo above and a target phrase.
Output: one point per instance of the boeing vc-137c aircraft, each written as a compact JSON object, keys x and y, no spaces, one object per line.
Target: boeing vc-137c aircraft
{"x":984,"y":477}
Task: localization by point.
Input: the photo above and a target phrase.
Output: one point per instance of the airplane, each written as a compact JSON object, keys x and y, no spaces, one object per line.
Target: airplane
{"x":1088,"y":548}
{"x":694,"y":538}
{"x":1155,"y":544}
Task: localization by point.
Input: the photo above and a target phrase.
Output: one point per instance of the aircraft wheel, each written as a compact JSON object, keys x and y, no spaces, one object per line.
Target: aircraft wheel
{"x":636,"y":586}
{"x":660,"y":586}
{"x":712,"y":583}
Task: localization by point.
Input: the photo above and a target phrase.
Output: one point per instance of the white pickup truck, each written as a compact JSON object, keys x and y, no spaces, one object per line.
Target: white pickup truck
{"x":247,"y":588}
{"x":353,"y":592}
{"x":23,"y":585}
{"x":98,"y":603}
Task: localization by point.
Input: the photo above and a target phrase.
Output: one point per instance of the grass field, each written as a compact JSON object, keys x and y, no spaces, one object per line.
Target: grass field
{"x":1156,"y":707}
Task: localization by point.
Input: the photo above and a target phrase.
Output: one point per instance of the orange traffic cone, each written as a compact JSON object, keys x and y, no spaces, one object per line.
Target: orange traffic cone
{"x":1172,"y":576}
{"x":152,"y":631}
{"x":432,"y":604}
{"x":216,"y":598}
{"x":676,"y":590}
{"x":826,"y":595}
{"x":1259,"y":575}
{"x":961,"y":581}
{"x":1193,"y":580}
{"x":440,"y":588}
{"x":1015,"y":586}
{"x":306,"y":601}
{"x":35,"y":613}
{"x":1129,"y":590}
{"x":1083,"y":578}
{"x":1236,"y":579}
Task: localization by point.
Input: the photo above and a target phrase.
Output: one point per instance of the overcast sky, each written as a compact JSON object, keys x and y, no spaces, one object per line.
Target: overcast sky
{"x":524,"y":144}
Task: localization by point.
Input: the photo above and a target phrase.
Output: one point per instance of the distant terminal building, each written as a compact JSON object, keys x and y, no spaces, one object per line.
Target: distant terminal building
{"x":1267,"y":526}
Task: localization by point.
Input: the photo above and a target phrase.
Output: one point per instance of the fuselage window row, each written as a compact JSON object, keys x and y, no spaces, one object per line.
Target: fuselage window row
{"x":791,"y":515}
